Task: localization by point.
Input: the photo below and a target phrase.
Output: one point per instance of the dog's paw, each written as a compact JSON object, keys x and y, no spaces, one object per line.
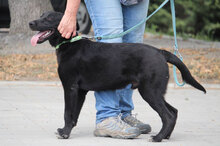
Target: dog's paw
{"x":61,"y":134}
{"x":155,"y":139}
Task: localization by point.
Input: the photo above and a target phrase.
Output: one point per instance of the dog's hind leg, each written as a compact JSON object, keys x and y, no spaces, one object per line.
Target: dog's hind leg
{"x":174,"y":111}
{"x":154,"y":97}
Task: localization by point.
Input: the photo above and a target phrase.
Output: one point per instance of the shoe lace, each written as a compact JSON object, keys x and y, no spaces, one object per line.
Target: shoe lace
{"x":133,"y":118}
{"x":121,"y":122}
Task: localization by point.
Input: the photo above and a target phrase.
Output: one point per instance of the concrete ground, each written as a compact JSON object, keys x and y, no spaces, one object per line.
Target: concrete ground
{"x":30,"y":113}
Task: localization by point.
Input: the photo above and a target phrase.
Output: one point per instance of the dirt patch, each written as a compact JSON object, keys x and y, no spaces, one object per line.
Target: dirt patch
{"x":28,"y":67}
{"x":201,"y":63}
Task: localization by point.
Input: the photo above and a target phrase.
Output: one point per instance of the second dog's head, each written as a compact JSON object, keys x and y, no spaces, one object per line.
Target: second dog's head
{"x":47,"y":26}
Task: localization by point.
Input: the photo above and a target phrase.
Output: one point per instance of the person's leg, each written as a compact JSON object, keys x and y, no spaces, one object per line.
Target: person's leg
{"x":107,"y":18}
{"x":125,"y":103}
{"x":132,"y":15}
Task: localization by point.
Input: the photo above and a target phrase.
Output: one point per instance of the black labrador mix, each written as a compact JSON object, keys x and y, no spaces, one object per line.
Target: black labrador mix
{"x":85,"y":65}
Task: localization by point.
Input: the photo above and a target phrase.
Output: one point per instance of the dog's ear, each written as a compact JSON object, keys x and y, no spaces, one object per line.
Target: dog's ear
{"x":77,"y":26}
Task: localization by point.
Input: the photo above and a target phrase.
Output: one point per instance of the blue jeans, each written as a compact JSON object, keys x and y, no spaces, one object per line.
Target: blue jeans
{"x":111,"y":17}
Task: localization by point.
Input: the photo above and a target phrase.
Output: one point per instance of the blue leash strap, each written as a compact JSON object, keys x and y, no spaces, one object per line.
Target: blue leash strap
{"x":176,"y":51}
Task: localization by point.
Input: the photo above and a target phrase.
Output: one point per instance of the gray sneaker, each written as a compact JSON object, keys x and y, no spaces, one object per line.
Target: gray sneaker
{"x":116,"y":128}
{"x":134,"y":122}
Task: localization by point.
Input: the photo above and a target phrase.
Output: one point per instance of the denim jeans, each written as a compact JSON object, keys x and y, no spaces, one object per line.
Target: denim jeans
{"x":111,"y":17}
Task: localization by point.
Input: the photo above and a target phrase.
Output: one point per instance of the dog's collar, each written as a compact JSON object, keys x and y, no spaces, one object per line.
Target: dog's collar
{"x":74,"y":39}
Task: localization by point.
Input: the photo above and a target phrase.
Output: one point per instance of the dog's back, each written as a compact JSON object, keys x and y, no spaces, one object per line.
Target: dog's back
{"x":104,"y":66}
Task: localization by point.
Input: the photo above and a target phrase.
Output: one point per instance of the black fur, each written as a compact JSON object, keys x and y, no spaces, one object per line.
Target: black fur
{"x":86,"y":65}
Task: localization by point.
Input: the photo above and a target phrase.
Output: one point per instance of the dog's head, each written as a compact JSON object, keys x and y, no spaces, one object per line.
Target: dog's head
{"x":47,"y":27}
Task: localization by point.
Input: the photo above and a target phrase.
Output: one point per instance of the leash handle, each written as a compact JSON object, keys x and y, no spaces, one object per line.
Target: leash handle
{"x":176,"y":51}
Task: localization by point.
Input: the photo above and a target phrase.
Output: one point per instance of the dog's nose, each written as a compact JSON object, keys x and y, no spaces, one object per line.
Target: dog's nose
{"x":32,"y":23}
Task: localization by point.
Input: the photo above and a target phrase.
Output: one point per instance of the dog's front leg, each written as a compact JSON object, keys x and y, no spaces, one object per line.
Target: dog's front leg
{"x":71,"y":99}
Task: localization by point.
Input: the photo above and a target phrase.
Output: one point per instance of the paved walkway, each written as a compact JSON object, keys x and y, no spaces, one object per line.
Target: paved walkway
{"x":30,"y":113}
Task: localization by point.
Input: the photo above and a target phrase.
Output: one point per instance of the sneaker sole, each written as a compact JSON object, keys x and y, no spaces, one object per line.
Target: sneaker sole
{"x":104,"y":133}
{"x":145,"y":130}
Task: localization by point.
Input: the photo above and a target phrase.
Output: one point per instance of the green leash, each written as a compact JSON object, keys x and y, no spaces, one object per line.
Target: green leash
{"x":69,"y":41}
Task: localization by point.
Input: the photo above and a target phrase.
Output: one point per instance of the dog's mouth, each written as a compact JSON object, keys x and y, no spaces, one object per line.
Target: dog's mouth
{"x":41,"y":36}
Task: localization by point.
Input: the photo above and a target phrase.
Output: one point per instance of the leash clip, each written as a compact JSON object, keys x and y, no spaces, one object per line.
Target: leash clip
{"x":98,"y":38}
{"x":176,"y":52}
{"x":87,"y":37}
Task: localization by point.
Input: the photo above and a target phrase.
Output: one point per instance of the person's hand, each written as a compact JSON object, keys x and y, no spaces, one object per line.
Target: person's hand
{"x":67,"y":25}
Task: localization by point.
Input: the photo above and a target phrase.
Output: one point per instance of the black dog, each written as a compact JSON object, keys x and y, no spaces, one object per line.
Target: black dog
{"x":86,"y":65}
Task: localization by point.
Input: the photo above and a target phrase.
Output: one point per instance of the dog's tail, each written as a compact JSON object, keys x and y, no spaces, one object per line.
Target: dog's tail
{"x":186,"y":75}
